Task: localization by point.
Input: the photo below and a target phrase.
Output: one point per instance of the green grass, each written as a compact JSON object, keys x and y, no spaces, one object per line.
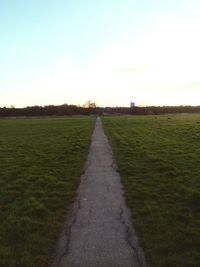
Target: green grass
{"x":41,"y":161}
{"x":159,"y":161}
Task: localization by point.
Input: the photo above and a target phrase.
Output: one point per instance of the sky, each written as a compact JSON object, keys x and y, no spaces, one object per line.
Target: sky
{"x":112,"y":52}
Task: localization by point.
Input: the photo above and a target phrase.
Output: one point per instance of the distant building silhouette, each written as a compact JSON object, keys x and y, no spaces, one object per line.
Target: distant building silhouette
{"x":132,"y":104}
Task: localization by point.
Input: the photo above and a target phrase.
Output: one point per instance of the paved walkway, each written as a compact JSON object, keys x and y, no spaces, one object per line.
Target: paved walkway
{"x":99,"y":232}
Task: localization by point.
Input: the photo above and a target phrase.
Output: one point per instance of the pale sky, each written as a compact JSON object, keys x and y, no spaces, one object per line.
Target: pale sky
{"x":112,"y":52}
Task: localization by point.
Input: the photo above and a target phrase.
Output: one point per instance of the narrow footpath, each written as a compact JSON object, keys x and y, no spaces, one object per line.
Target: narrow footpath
{"x":99,"y":232}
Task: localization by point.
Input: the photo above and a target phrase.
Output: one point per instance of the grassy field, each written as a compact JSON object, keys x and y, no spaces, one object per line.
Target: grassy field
{"x":40,"y":164}
{"x":159,"y":161}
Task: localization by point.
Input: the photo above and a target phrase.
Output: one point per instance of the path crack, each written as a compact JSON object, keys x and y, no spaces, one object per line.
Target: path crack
{"x":68,"y":231}
{"x":85,"y":171}
{"x":128,"y":235}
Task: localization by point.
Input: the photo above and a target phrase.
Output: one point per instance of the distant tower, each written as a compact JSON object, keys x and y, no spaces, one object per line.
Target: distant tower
{"x":132,"y":104}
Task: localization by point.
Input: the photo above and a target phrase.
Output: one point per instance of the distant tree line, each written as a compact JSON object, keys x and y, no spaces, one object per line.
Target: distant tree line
{"x":65,"y":109}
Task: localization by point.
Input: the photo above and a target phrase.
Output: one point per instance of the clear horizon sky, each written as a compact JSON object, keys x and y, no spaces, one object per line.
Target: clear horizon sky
{"x":112,"y":52}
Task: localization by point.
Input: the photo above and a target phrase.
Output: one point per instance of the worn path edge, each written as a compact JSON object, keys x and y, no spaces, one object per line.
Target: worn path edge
{"x":99,"y":230}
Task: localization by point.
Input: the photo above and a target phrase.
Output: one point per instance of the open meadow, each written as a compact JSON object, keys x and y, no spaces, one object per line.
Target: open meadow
{"x":159,"y":161}
{"x":41,"y":161}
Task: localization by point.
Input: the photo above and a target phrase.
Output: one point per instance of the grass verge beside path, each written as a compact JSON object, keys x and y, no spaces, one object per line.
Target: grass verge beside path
{"x":41,"y":161}
{"x":159,"y":161}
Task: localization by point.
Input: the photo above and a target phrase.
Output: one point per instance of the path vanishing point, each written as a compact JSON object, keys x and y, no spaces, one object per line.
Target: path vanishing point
{"x":99,"y":232}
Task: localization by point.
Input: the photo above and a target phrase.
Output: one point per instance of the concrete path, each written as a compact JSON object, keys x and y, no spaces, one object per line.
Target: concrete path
{"x":99,"y":232}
